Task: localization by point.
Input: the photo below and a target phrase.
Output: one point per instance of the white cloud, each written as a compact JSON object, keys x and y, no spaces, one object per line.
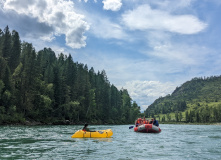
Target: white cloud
{"x":102,"y":27}
{"x":147,"y":91}
{"x":58,"y":14}
{"x":145,"y":18}
{"x":95,"y":1}
{"x":178,"y":52}
{"x":113,"y":5}
{"x":107,"y":29}
{"x":171,"y":5}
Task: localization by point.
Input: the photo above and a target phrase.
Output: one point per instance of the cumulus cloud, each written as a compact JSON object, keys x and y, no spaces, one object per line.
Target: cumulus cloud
{"x":59,"y":15}
{"x":147,"y":91}
{"x":146,"y":18}
{"x":107,"y":29}
{"x":113,"y":5}
{"x":103,"y":27}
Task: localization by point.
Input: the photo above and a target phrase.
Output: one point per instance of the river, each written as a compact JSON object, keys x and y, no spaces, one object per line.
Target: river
{"x":54,"y":142}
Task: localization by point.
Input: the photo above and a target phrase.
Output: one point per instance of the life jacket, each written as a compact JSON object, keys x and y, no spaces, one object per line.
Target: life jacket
{"x":144,"y":122}
{"x":139,"y":121}
{"x":84,"y":129}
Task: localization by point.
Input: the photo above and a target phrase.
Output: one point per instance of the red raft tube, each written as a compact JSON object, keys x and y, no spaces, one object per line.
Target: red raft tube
{"x":147,"y":128}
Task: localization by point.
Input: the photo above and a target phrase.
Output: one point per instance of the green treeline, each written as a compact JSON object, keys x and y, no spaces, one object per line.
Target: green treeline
{"x":43,"y":87}
{"x":198,"y":101}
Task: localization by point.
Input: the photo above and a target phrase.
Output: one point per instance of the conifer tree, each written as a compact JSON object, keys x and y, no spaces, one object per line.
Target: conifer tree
{"x":6,"y":47}
{"x":15,"y":51}
{"x":1,"y":42}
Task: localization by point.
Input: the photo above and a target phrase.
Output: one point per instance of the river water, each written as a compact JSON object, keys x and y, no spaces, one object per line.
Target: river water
{"x":54,"y":142}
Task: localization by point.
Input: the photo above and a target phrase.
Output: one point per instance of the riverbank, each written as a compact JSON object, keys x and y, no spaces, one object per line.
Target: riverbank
{"x":36,"y":123}
{"x":184,"y":123}
{"x":66,"y":122}
{"x":57,"y":122}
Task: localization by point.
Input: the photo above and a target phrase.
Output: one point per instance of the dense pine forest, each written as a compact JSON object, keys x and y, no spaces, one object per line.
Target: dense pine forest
{"x":198,"y":101}
{"x":48,"y":89}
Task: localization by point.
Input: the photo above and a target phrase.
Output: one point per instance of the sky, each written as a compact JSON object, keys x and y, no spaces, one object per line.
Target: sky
{"x":148,"y":47}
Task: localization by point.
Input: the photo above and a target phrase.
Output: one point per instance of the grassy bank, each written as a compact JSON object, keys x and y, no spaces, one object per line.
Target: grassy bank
{"x":184,"y":123}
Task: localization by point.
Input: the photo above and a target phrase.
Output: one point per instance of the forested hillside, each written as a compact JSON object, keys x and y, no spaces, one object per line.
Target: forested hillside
{"x":198,"y":100}
{"x":45,"y":88}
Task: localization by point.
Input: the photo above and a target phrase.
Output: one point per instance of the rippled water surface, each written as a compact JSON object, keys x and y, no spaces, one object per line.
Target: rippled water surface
{"x":55,"y":142}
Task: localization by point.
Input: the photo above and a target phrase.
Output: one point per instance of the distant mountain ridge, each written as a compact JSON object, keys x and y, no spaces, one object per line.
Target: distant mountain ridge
{"x":195,"y":96}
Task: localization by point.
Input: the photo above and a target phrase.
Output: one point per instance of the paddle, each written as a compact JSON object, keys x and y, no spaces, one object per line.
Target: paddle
{"x":131,"y":127}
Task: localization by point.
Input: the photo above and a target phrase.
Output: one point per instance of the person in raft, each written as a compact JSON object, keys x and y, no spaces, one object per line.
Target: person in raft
{"x":151,"y":122}
{"x":144,"y":120}
{"x":155,"y":122}
{"x":138,"y":122}
{"x":85,"y":128}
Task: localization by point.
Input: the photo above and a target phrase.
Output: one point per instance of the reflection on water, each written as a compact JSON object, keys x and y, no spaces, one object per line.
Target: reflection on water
{"x":103,"y":139}
{"x":55,"y":142}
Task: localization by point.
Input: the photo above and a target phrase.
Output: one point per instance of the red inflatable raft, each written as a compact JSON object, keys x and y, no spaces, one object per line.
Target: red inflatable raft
{"x":147,"y":128}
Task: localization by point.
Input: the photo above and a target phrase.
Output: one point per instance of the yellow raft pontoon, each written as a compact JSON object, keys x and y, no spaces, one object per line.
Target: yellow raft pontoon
{"x":94,"y":134}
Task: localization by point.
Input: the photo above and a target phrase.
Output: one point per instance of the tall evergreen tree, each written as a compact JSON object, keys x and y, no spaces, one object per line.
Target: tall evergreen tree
{"x":15,"y":51}
{"x":57,"y":92}
{"x":1,"y":42}
{"x":6,"y":47}
{"x":28,"y":79}
{"x":126,"y":105}
{"x":3,"y":66}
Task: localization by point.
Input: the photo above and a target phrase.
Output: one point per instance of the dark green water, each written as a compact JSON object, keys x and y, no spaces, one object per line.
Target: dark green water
{"x":55,"y":142}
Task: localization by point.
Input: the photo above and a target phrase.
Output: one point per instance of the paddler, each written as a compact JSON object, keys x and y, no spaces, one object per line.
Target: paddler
{"x":85,"y":128}
{"x":155,"y":122}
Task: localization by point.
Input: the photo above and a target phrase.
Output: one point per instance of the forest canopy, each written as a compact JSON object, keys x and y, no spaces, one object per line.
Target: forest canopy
{"x":49,"y":89}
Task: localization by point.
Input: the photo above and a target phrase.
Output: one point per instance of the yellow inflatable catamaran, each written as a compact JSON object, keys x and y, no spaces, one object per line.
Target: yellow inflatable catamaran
{"x":93,"y":134}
